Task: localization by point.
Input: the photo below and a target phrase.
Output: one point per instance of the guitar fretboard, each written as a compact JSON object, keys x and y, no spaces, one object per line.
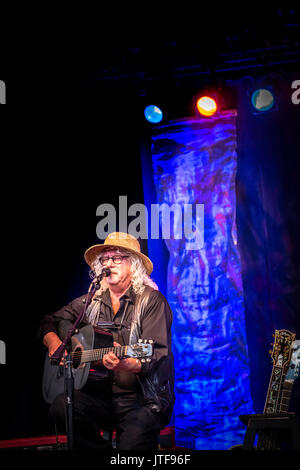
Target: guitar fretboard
{"x":272,"y":401}
{"x":286,"y":397}
{"x":97,"y":354}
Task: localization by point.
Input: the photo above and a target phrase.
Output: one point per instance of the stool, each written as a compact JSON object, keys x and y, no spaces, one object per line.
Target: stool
{"x":270,"y":422}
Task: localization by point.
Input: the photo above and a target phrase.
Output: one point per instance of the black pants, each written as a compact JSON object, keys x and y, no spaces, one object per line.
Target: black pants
{"x":137,"y":426}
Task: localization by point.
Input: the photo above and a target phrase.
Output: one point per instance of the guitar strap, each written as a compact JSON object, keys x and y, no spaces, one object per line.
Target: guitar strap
{"x":138,"y":311}
{"x":93,"y":311}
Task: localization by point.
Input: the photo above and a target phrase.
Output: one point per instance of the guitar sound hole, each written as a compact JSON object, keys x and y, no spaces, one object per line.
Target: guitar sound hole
{"x":77,"y":358}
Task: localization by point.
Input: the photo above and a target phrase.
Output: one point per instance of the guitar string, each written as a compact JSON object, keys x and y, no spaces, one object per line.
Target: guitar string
{"x":119,"y":350}
{"x":97,"y":354}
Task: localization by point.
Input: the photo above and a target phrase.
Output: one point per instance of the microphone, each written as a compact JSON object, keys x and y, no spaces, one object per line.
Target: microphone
{"x":104,"y":272}
{"x":97,"y":279}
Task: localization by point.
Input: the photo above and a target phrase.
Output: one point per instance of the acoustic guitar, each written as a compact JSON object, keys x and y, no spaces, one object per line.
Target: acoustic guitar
{"x":281,"y":383}
{"x":86,"y":359}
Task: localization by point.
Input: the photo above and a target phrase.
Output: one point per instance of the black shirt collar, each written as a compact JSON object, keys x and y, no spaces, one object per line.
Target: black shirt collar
{"x":128,"y":295}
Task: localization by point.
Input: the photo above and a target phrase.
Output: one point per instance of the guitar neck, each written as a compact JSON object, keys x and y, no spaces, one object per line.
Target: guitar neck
{"x":273,"y":395}
{"x":286,"y":397}
{"x":271,"y":405}
{"x":98,"y":354}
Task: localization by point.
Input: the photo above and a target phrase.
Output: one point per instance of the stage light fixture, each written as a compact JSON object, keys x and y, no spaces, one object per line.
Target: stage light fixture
{"x":262,"y":99}
{"x":206,"y":106}
{"x":153,"y":114}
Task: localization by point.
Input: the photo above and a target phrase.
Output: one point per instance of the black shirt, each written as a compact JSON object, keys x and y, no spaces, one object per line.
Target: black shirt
{"x":123,"y":382}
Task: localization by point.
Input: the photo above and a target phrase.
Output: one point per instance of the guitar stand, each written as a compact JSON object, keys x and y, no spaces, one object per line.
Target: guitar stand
{"x":270,"y":422}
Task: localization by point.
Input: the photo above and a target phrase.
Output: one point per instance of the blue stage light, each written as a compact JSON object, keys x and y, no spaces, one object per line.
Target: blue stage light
{"x":153,"y":114}
{"x":262,"y":99}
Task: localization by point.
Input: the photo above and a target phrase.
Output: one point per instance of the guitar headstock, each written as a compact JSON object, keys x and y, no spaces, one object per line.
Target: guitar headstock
{"x":281,"y":352}
{"x":140,"y":350}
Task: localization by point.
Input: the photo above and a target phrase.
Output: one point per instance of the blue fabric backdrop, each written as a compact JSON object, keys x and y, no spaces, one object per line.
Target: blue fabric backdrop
{"x":194,"y":162}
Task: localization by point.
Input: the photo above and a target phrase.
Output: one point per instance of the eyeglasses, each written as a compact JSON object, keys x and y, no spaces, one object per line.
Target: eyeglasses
{"x":117,"y":259}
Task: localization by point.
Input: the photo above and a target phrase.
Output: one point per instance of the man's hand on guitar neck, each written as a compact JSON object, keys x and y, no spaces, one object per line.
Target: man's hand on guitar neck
{"x":112,"y":362}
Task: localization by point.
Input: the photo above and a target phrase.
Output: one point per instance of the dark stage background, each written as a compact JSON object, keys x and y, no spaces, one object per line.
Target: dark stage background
{"x":268,"y":198}
{"x":67,"y":168}
{"x":63,"y":164}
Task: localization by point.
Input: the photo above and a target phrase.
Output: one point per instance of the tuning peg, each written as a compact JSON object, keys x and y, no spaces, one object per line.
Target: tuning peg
{"x":140,"y":340}
{"x":145,"y":341}
{"x":143,"y":360}
{"x":148,"y":359}
{"x":151,"y":341}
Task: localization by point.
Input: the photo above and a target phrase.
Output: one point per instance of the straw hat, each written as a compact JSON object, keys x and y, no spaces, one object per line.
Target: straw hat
{"x":119,"y":240}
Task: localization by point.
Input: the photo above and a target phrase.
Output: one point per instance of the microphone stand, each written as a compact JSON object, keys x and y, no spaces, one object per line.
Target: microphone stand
{"x":68,"y":372}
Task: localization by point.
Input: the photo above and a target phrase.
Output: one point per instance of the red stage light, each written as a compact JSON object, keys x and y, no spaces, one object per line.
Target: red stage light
{"x":206,"y":106}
